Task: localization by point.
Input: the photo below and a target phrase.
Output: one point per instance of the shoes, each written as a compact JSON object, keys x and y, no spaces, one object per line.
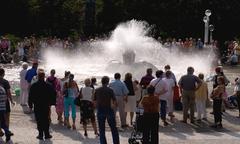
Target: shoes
{"x":85,"y":134}
{"x":198,"y":120}
{"x":217,"y":126}
{"x":48,"y":137}
{"x":120,"y":129}
{"x":73,"y":127}
{"x":96,"y":134}
{"x":183,"y":121}
{"x":192,"y":122}
{"x":165,"y":123}
{"x":205,"y":119}
{"x":124,"y":126}
{"x":39,"y":137}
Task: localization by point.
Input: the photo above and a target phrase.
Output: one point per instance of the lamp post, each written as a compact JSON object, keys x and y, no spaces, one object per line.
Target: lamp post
{"x":211,"y":29}
{"x":206,"y":21}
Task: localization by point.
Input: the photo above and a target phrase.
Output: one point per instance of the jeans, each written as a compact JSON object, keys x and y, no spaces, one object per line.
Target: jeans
{"x":163,"y":109}
{"x":69,"y":101}
{"x":150,"y":129}
{"x":102,"y":115}
{"x":217,"y":110}
{"x":3,"y":122}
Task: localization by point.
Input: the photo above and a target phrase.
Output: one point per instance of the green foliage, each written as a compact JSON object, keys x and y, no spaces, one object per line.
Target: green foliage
{"x":177,"y":18}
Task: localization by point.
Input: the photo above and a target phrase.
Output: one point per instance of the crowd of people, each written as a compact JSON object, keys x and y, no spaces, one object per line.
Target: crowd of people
{"x":232,"y":53}
{"x":30,"y":47}
{"x":156,"y":95}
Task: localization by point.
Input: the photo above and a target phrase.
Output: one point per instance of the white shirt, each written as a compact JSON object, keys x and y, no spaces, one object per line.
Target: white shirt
{"x":169,"y":94}
{"x":237,"y":85}
{"x":23,"y":82}
{"x":87,"y":93}
{"x":159,"y":85}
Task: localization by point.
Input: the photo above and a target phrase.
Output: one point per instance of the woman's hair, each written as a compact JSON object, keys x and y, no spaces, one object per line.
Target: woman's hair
{"x":168,"y":74}
{"x":87,"y":82}
{"x":151,"y":89}
{"x":93,"y":80}
{"x":128,"y":76}
{"x":201,"y":76}
{"x":67,"y":73}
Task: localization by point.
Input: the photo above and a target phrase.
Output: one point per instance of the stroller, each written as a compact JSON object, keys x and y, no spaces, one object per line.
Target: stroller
{"x":136,"y":134}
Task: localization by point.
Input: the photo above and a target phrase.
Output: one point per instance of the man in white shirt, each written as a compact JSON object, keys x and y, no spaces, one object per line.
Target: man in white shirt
{"x":160,"y":90}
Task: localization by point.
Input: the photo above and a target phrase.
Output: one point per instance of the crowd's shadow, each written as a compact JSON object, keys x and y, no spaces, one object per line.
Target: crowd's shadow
{"x":73,"y":134}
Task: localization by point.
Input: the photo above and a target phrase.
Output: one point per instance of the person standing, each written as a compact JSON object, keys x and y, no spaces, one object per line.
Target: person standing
{"x":105,"y":102}
{"x":87,"y":107}
{"x":150,"y":104}
{"x":201,"y":99}
{"x":160,"y":89}
{"x":23,"y":85}
{"x":60,"y":98}
{"x":54,"y":82}
{"x":172,"y":75}
{"x":217,"y":96}
{"x":145,"y":81}
{"x":41,"y":95}
{"x":120,"y":91}
{"x":5,"y":84}
{"x":31,"y":73}
{"x":168,"y":96}
{"x":187,"y":84}
{"x":3,"y":99}
{"x":130,"y":105}
{"x":71,"y":91}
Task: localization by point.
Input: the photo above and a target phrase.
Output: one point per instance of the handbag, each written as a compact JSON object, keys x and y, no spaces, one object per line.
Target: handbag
{"x":77,"y":101}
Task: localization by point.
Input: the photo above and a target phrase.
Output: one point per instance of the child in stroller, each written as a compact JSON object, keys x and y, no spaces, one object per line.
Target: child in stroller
{"x":136,"y":134}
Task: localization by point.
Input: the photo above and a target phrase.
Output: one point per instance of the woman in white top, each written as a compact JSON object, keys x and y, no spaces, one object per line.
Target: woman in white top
{"x":23,"y":85}
{"x":168,"y":96}
{"x":87,"y":107}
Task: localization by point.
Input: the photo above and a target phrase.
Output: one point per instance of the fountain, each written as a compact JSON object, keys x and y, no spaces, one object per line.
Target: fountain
{"x":129,"y":48}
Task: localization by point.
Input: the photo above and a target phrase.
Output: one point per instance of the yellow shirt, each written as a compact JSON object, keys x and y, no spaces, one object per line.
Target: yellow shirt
{"x":202,"y":92}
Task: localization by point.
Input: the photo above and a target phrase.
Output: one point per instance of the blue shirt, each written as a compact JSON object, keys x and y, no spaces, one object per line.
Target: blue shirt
{"x":30,"y":74}
{"x":119,"y":88}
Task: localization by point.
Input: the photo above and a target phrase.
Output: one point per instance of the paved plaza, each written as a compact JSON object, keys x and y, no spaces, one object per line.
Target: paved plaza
{"x":24,"y":128}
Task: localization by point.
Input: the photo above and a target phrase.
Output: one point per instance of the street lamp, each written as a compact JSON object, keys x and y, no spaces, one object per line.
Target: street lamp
{"x":211,"y":29}
{"x":206,"y":21}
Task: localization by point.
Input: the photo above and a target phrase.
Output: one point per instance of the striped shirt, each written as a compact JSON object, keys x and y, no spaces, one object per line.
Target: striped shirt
{"x":3,"y":99}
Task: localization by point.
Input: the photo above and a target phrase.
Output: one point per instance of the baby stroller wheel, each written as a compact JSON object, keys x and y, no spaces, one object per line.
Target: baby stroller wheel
{"x":132,"y":141}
